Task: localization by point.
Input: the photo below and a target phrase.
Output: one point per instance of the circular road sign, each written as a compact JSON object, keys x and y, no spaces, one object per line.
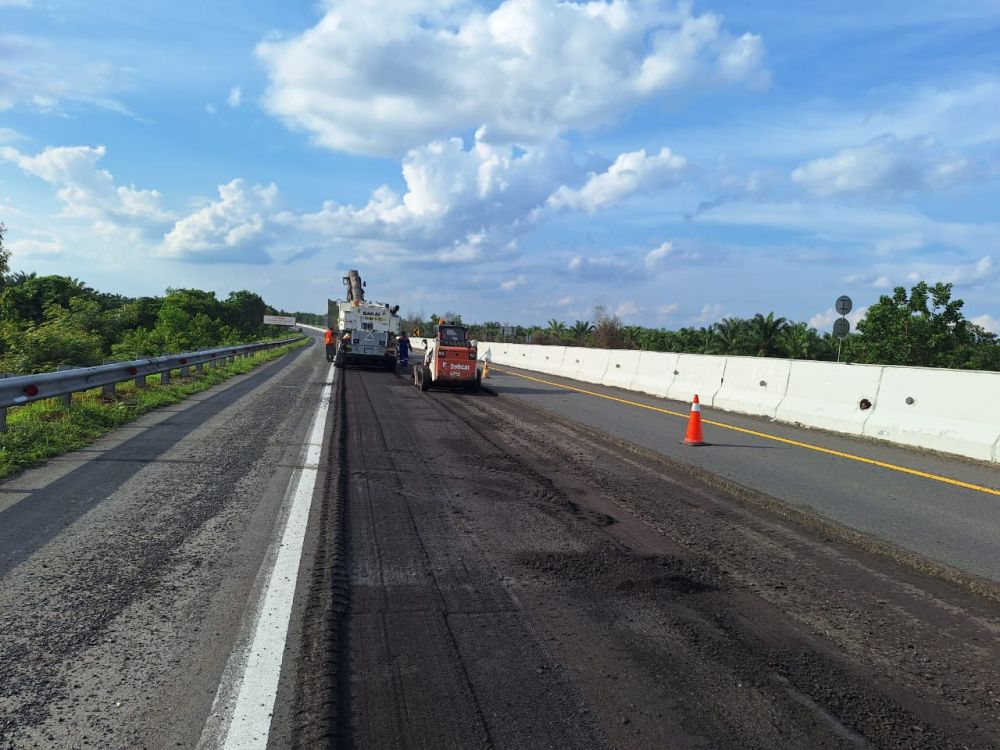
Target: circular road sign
{"x":844,"y":304}
{"x":841,"y":327}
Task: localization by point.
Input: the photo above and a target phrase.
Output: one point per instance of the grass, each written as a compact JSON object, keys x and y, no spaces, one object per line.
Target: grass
{"x":43,"y":429}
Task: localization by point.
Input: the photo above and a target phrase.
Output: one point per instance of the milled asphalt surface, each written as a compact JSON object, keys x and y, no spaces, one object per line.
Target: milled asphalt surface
{"x":127,"y":568}
{"x":951,"y":525}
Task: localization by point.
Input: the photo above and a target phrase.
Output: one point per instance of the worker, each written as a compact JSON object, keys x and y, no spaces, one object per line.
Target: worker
{"x":331,"y":346}
{"x":404,"y":349}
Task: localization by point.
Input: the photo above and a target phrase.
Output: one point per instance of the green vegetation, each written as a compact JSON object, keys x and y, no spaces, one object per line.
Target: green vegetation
{"x":922,"y":327}
{"x":46,"y":321}
{"x":44,"y":429}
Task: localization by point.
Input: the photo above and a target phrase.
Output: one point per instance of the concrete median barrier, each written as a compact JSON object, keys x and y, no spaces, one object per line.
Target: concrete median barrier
{"x":945,"y":410}
{"x":697,"y":373}
{"x":655,"y":373}
{"x":593,"y":365}
{"x":830,"y":396}
{"x":753,"y":385}
{"x":622,"y":367}
{"x":547,"y":359}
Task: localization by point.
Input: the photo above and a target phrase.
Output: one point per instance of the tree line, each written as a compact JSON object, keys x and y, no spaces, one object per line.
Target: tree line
{"x":46,"y":321}
{"x":923,"y":327}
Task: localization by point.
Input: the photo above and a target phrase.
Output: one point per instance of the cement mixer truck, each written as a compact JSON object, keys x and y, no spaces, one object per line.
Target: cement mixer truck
{"x":366,"y":332}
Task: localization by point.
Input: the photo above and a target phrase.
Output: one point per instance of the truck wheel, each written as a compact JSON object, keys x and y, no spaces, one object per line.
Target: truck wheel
{"x":425,"y":379}
{"x":338,"y":361}
{"x":390,"y":364}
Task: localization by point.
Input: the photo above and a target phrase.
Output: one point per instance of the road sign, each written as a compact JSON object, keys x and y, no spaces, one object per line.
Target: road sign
{"x":278,"y":320}
{"x":841,"y":327}
{"x":844,"y":305}
{"x":507,"y":332}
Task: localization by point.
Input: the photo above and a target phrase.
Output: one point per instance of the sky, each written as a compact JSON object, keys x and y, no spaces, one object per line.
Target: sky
{"x":516,"y":161}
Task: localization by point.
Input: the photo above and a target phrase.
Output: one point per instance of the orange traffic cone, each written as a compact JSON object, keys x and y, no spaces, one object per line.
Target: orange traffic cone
{"x":694,"y":436}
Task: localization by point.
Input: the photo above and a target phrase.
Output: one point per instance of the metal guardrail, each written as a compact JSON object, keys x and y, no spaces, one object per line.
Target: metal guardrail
{"x":23,"y":389}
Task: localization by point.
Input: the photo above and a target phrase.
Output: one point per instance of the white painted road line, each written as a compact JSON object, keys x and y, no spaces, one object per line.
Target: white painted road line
{"x":253,"y":706}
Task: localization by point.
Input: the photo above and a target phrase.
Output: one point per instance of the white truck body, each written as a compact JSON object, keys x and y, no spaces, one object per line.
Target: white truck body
{"x":373,"y":331}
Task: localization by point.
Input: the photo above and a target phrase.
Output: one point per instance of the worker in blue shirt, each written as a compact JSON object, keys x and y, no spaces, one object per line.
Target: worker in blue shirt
{"x":404,"y":349}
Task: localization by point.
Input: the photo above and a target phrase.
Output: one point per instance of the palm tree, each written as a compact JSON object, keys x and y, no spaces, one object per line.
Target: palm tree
{"x":556,"y":328}
{"x":764,"y":332}
{"x":727,"y":336}
{"x":797,"y":341}
{"x":581,"y":330}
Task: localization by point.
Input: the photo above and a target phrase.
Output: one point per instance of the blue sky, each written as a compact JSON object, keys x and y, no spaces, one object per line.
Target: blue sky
{"x":514,"y":161}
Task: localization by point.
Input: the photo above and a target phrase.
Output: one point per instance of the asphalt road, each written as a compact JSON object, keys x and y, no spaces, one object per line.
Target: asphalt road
{"x":468,"y":571}
{"x":127,"y":568}
{"x":952,"y":525}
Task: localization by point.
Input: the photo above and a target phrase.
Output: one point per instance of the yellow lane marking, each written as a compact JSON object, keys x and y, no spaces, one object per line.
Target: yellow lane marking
{"x":766,"y":436}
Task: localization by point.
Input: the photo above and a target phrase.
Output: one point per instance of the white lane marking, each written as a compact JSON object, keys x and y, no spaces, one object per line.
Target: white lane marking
{"x":250,"y":724}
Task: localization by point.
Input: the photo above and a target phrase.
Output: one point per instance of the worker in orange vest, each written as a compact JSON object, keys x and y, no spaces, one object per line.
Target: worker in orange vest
{"x":331,"y":346}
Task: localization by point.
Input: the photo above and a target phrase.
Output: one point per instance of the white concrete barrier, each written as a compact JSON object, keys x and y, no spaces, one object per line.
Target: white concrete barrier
{"x":830,"y":396}
{"x":954,"y":411}
{"x":571,"y":362}
{"x":622,"y":367}
{"x":547,"y":359}
{"x":655,"y":373}
{"x":753,"y":385}
{"x":593,"y":365}
{"x":697,"y":374}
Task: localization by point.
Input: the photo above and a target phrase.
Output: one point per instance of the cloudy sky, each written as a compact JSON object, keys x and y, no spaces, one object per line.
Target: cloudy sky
{"x":515,"y":161}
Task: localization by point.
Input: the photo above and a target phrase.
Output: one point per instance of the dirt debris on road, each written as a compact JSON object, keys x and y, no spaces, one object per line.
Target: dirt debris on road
{"x":511,"y":579}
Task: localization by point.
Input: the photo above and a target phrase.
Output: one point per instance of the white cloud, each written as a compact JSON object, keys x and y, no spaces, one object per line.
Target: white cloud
{"x":565,"y":301}
{"x":232,"y":228}
{"x":382,"y":77}
{"x":988,"y":322}
{"x":235,"y":97}
{"x":709,"y":314}
{"x":8,"y":135}
{"x":630,"y":173}
{"x":885,"y":165}
{"x":511,"y":284}
{"x":665,"y":311}
{"x":88,"y":192}
{"x":626,"y":309}
{"x":44,"y":77}
{"x":210,"y":108}
{"x":460,"y":204}
{"x":15,"y":3}
{"x":36,"y":248}
{"x":823,"y":321}
{"x":653,"y":257}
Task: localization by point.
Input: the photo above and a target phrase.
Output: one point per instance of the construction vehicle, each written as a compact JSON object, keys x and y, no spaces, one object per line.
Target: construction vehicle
{"x":450,"y":360}
{"x":366,"y":332}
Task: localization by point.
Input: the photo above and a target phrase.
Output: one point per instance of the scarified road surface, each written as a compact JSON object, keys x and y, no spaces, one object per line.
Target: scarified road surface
{"x":513,"y":580}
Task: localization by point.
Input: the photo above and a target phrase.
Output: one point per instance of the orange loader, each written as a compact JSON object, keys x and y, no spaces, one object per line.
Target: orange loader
{"x":450,"y":361}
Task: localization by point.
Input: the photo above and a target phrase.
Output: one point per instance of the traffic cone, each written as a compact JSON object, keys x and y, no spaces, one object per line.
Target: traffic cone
{"x":694,"y":436}
{"x":486,"y":369}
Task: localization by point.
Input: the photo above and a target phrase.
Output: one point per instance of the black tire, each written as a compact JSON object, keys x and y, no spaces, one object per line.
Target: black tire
{"x":390,"y":364}
{"x":338,"y":361}
{"x":425,"y":379}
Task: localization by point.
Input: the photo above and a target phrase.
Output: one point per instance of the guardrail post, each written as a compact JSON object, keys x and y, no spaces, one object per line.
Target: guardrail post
{"x":140,"y":381}
{"x":200,"y":367}
{"x":67,"y":398}
{"x":165,"y":377}
{"x":108,"y":389}
{"x":185,"y":371}
{"x":3,"y":409}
